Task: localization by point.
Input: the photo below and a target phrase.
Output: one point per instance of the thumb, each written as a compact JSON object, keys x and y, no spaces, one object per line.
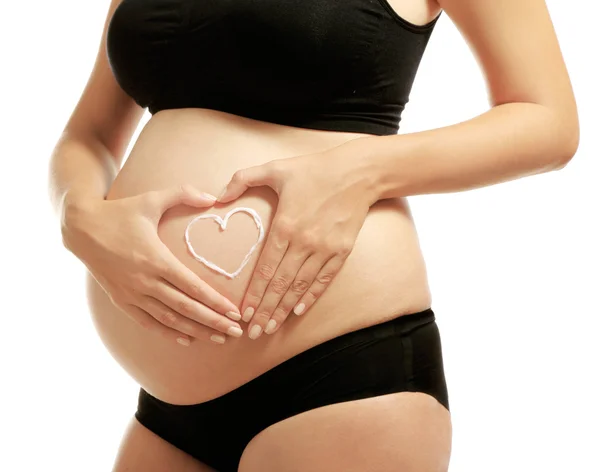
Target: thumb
{"x":184,"y":194}
{"x":245,"y":178}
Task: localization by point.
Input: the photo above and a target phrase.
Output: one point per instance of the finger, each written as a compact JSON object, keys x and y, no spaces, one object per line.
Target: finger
{"x":319,"y":284}
{"x":298,"y":287}
{"x":192,"y":311}
{"x":184,"y":279}
{"x":278,"y":286}
{"x":166,"y":317}
{"x":147,"y":321}
{"x":245,"y":178}
{"x":183,"y":194}
{"x":270,"y":258}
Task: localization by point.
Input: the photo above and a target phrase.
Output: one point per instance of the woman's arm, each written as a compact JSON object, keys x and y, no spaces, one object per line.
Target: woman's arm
{"x":117,"y":239}
{"x":531,"y":128}
{"x":90,"y":150}
{"x":81,"y":170}
{"x":324,"y":198}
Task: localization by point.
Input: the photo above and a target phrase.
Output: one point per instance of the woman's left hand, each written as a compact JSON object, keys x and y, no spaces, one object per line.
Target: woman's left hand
{"x":323,"y":202}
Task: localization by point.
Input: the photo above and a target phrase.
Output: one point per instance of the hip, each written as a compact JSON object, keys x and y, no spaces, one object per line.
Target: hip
{"x":400,"y":355}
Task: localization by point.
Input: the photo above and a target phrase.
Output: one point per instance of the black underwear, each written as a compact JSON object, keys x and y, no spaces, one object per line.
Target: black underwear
{"x":403,"y":354}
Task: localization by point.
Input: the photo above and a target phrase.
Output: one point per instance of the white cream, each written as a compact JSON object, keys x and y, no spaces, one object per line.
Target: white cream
{"x":223,"y":223}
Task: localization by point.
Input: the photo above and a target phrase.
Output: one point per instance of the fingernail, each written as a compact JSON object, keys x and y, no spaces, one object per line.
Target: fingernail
{"x":183,"y":341}
{"x":218,"y":338}
{"x":298,"y":309}
{"x":271,"y":325}
{"x":222,"y":193}
{"x":248,"y":314}
{"x":209,"y":196}
{"x":235,"y":331}
{"x":233,"y":315}
{"x":255,"y":331}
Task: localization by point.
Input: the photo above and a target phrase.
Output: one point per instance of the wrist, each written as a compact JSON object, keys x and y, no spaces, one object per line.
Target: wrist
{"x":75,"y":211}
{"x":361,"y":154}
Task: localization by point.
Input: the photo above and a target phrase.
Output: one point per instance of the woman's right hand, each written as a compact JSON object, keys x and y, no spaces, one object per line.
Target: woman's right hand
{"x":118,"y":242}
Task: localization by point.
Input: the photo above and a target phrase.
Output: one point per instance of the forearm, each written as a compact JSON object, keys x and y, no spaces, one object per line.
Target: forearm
{"x":507,"y":142}
{"x":80,"y":169}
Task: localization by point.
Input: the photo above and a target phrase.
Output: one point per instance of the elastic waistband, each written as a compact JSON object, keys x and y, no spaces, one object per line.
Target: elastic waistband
{"x":406,"y":323}
{"x":398,"y":326}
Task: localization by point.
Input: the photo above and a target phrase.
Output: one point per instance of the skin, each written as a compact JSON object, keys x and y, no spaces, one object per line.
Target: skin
{"x":532,"y":107}
{"x":531,"y":128}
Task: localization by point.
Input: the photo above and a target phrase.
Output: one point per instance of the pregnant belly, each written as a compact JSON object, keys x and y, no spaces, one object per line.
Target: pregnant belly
{"x":383,"y":277}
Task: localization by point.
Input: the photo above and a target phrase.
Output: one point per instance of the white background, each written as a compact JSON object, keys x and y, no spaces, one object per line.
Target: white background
{"x":514,"y":268}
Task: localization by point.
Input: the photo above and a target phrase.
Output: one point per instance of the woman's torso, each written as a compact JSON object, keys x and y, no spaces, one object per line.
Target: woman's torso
{"x":383,"y":277}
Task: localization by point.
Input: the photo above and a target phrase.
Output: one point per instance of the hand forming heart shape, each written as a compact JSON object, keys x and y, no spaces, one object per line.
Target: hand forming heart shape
{"x":223,"y":223}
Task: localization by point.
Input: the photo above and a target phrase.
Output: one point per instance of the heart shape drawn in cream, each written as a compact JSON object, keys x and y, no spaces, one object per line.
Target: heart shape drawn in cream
{"x":223,"y":223}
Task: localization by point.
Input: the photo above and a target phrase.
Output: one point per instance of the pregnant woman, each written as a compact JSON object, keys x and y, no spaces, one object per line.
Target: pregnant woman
{"x":290,"y":328}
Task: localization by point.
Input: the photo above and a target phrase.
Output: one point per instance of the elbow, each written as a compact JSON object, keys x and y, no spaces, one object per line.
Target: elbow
{"x":567,"y":150}
{"x":568,"y":142}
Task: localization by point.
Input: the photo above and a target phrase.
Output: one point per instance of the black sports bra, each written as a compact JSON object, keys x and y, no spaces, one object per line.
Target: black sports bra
{"x":339,"y":65}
